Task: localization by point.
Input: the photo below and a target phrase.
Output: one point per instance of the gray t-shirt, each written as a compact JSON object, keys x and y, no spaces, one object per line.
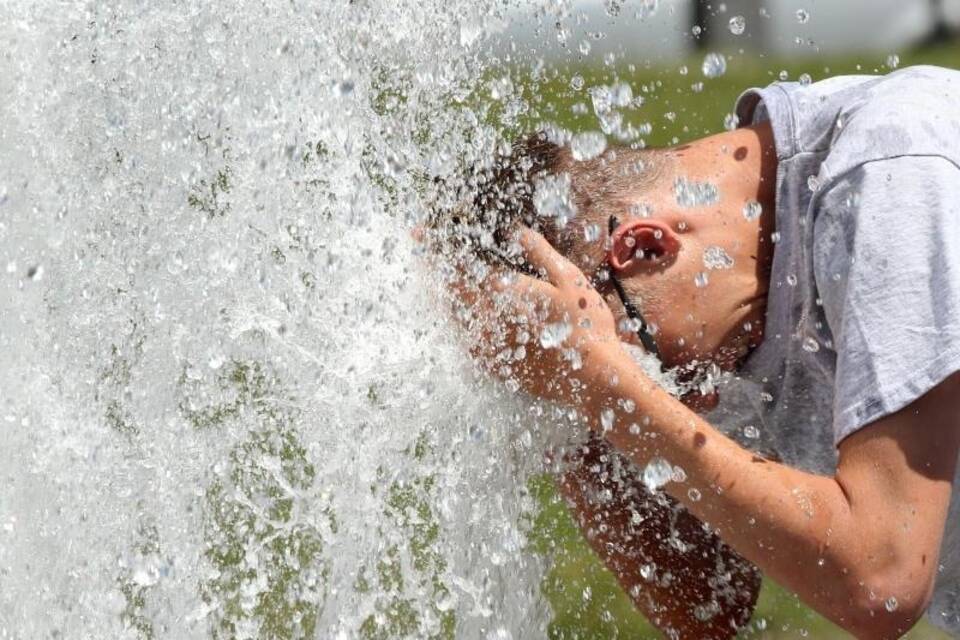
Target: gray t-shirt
{"x":863,"y":311}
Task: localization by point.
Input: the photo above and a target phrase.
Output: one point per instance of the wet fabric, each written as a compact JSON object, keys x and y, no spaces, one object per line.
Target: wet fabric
{"x":863,"y":312}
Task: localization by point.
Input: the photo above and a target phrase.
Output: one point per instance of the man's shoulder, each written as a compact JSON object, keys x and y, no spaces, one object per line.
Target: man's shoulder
{"x":856,"y":119}
{"x":907,"y":113}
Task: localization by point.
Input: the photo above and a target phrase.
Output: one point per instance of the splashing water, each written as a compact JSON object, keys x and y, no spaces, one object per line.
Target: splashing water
{"x":229,"y":409}
{"x":232,"y":406}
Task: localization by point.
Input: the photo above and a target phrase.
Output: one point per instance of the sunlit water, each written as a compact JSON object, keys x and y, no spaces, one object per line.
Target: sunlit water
{"x":230,"y":406}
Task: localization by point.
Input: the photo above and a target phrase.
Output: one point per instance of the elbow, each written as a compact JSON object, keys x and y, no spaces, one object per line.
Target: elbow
{"x":886,"y":607}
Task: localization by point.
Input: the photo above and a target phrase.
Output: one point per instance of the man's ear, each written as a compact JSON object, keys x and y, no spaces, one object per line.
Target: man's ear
{"x":642,"y":244}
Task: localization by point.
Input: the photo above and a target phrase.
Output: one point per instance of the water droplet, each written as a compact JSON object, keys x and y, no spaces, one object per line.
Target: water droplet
{"x":694,"y":495}
{"x":803,"y":16}
{"x":805,"y":79}
{"x":696,"y":87}
{"x":813,"y":183}
{"x":621,"y":95}
{"x":705,"y":612}
{"x":35,"y":272}
{"x":584,"y":47}
{"x":752,"y":210}
{"x":811,"y":345}
{"x":587,"y":145}
{"x":701,"y":280}
{"x":684,"y":70}
{"x":737,"y":25}
{"x":552,"y":198}
{"x":751,"y":432}
{"x":606,"y":419}
{"x":716,"y":258}
{"x":576,"y":82}
{"x":657,"y":473}
{"x":891,"y":604}
{"x":554,"y":334}
{"x":695,"y":194}
{"x":591,"y":233}
{"x":775,"y":237}
{"x":679,"y":475}
{"x":574,"y":358}
{"x":792,"y":280}
{"x":648,"y":571}
{"x":634,"y":429}
{"x":714,"y":65}
{"x":893,"y":61}
{"x":731,"y":121}
{"x":783,"y":75}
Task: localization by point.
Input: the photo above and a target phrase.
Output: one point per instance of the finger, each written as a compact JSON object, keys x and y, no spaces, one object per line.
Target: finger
{"x":498,"y":283}
{"x":542,"y":256}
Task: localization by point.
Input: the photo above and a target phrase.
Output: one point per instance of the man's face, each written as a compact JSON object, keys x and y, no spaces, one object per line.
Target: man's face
{"x":693,"y":280}
{"x":684,"y":251}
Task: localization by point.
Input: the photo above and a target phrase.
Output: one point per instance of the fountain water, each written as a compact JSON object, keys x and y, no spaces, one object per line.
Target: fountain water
{"x":230,"y":407}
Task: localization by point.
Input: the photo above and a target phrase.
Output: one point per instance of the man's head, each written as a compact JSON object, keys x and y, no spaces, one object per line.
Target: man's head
{"x":686,"y":246}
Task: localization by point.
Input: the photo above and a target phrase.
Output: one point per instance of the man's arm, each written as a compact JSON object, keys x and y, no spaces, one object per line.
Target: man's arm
{"x":861,"y":547}
{"x":684,"y":579}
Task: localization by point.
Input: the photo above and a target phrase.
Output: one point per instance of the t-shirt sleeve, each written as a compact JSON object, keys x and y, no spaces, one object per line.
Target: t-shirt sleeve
{"x":887,"y":267}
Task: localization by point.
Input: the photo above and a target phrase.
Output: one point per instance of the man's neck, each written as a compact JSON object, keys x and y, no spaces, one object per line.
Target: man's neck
{"x":743,"y":165}
{"x":753,"y":173}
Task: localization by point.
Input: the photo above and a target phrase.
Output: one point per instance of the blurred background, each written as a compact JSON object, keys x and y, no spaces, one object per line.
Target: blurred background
{"x":771,"y":27}
{"x":658,"y":49}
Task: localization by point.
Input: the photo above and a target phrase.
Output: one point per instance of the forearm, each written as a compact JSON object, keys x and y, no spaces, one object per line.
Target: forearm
{"x":799,"y":528}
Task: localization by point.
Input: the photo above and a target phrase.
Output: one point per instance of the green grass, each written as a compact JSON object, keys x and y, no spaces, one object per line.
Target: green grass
{"x":587,"y":602}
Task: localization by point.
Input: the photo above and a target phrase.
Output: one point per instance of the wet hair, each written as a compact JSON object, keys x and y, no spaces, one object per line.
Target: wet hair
{"x":492,"y":201}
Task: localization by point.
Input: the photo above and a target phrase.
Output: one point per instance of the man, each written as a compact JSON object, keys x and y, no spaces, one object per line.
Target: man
{"x":816,"y":252}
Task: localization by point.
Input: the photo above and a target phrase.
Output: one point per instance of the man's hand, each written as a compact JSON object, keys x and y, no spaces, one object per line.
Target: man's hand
{"x":553,"y":336}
